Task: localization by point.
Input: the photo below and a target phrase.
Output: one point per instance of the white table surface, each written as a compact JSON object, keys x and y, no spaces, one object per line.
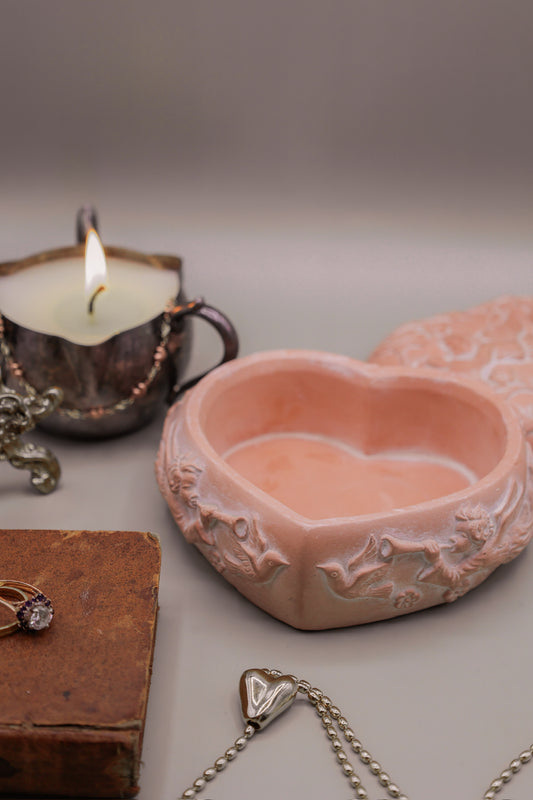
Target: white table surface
{"x":441,"y":698}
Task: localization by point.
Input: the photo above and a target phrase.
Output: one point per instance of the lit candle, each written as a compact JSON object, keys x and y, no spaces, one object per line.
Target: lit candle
{"x":95,"y":269}
{"x":49,"y":296}
{"x":108,"y":329}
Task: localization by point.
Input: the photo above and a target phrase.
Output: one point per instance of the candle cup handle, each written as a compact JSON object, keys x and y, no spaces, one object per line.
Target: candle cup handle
{"x":220,"y":323}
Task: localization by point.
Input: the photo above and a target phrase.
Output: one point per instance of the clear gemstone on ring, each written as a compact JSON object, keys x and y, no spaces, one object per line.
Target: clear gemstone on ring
{"x":35,"y":614}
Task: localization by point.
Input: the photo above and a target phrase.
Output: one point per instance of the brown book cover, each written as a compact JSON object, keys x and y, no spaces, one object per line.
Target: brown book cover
{"x":73,"y":697}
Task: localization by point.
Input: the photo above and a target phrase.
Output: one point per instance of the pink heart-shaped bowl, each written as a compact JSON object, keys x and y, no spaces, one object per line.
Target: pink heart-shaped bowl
{"x":331,"y":492}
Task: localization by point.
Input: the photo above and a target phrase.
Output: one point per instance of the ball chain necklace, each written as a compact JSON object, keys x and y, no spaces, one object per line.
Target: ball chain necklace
{"x":266,"y":693}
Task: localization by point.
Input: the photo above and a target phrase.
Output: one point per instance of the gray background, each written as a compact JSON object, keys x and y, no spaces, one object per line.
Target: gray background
{"x":327,"y":170}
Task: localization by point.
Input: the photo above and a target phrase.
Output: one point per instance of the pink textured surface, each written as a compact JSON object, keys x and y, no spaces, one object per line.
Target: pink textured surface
{"x":345,"y":568}
{"x":321,"y":478}
{"x":492,"y":342}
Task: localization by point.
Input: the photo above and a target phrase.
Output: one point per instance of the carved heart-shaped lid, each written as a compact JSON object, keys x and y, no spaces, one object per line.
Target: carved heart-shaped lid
{"x":492,"y":342}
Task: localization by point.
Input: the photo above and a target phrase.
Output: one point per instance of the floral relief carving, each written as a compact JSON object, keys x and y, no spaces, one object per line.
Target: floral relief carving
{"x":232,"y":543}
{"x":492,"y":342}
{"x":407,"y":599}
{"x":479,"y":539}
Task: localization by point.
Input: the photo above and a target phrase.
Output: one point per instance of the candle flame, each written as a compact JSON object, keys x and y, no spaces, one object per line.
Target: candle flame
{"x":95,"y":269}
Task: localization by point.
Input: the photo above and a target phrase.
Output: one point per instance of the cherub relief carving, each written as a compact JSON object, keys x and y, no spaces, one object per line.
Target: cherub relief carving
{"x":480,"y":539}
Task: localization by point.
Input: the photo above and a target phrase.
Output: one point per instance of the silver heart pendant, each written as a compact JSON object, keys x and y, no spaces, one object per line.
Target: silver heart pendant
{"x":264,"y":697}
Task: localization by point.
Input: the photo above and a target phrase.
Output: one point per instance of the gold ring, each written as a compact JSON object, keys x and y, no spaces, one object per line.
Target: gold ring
{"x":32,"y":609}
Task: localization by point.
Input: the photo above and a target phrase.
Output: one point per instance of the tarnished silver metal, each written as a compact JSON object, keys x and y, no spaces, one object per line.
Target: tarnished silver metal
{"x":264,"y":697}
{"x":148,"y":361}
{"x":18,"y":415}
{"x":264,"y":694}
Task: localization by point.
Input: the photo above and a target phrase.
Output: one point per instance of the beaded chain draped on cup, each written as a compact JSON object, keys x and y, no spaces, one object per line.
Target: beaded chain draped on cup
{"x":160,"y":354}
{"x":266,"y":693}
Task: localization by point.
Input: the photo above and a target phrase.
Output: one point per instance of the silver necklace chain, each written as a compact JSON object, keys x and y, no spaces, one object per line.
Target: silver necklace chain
{"x":337,"y":729}
{"x":139,"y":390}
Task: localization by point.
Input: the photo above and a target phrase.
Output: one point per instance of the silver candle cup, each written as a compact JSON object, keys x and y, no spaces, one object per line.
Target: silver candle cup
{"x":118,"y":385}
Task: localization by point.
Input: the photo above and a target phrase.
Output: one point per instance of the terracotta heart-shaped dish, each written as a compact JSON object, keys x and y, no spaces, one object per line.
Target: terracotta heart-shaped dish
{"x":332,"y":492}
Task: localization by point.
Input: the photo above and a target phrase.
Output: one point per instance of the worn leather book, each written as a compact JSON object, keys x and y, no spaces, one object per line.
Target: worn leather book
{"x":73,"y":697}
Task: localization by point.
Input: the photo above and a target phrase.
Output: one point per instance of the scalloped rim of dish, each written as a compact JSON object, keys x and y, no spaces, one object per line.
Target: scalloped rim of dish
{"x":346,"y":366}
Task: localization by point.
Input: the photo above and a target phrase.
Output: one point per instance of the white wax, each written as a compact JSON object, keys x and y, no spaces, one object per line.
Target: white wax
{"x":50,"y":298}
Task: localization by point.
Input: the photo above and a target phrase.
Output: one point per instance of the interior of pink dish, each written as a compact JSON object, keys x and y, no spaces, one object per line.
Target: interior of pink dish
{"x":328,"y":444}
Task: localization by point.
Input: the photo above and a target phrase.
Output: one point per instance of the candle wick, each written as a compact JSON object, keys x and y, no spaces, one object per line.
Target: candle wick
{"x":90,"y":306}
